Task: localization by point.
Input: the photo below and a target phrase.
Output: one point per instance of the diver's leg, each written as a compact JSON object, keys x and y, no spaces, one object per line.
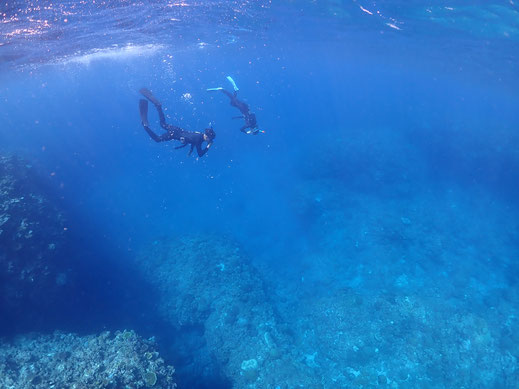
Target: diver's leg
{"x":234,"y":100}
{"x":152,"y":135}
{"x":229,"y":94}
{"x":143,"y":110}
{"x":147,"y":93}
{"x":162,"y":118}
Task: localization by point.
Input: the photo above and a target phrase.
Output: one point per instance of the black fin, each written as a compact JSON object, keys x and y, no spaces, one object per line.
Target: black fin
{"x":147,"y":93}
{"x":143,"y":109}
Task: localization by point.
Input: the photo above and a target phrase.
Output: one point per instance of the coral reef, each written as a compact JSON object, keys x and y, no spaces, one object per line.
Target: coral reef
{"x":392,"y":293}
{"x":119,"y":360}
{"x":406,"y":291}
{"x":209,"y":282}
{"x":403,"y":341}
{"x":31,"y":235}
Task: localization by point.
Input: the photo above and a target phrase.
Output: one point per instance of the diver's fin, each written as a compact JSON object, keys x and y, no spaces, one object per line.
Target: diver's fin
{"x":143,"y":109}
{"x":147,"y":93}
{"x":213,"y":89}
{"x":238,"y":117}
{"x":229,"y":78}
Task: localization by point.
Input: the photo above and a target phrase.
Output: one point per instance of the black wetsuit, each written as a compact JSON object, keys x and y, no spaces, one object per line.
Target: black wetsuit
{"x":195,"y":139}
{"x":250,"y":118}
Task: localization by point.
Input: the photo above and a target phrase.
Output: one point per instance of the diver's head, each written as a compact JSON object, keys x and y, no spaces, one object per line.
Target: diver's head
{"x":209,"y":135}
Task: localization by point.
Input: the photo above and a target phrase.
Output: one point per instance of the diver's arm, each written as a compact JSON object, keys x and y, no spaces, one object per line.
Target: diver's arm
{"x":201,"y":152}
{"x":191,"y":149}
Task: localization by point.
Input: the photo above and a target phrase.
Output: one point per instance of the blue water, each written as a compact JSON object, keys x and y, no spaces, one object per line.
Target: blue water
{"x":389,"y":165}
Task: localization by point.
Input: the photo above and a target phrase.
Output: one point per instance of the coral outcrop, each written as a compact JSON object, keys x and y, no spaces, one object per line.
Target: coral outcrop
{"x":109,"y":360}
{"x":209,"y":282}
{"x":31,"y":234}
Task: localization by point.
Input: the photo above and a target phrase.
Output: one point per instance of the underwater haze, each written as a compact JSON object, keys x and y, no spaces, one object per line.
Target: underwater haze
{"x":367,"y":237}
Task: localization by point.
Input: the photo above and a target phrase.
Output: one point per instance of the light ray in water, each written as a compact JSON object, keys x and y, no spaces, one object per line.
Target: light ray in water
{"x":112,"y":53}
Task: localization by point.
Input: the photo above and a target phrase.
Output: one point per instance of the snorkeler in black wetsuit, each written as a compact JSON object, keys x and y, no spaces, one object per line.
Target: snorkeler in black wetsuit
{"x":251,"y":126}
{"x":195,"y":139}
